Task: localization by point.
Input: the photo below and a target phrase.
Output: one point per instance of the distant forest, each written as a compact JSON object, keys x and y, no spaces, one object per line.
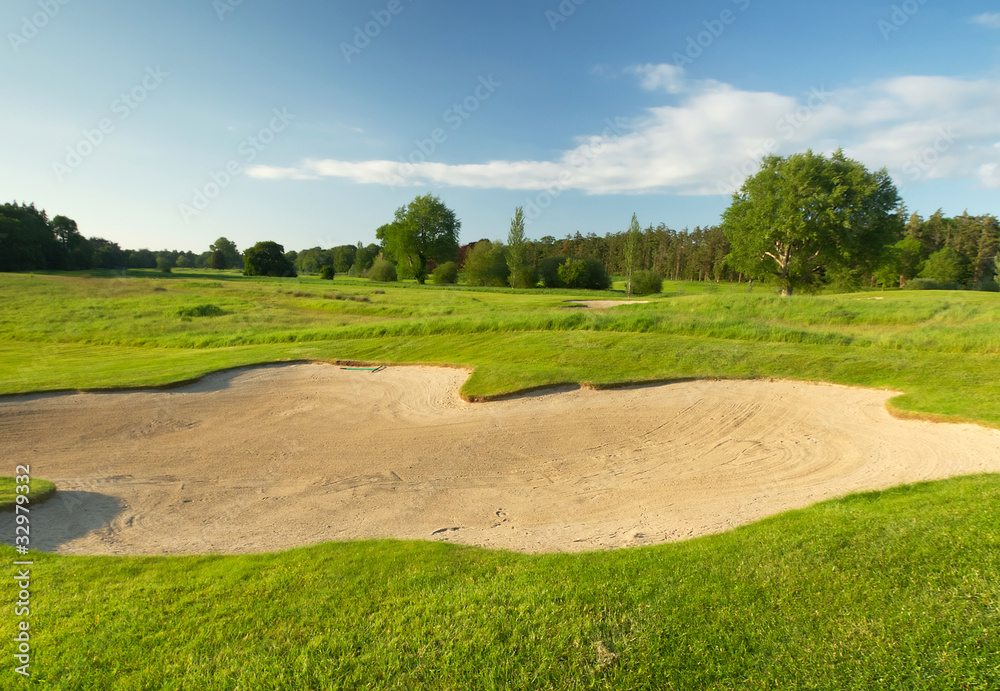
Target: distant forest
{"x":959,"y":252}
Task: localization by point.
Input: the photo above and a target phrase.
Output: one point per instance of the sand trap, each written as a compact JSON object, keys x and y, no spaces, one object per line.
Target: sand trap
{"x":274,"y":457}
{"x":602,"y":304}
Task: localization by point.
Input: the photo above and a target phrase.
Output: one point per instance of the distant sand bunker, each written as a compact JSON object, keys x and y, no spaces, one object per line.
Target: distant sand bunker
{"x":275,"y":457}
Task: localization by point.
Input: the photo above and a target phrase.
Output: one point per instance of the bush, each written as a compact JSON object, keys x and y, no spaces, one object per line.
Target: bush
{"x":549,"y":271}
{"x":928,"y":284}
{"x":164,"y":264}
{"x":327,"y":273}
{"x":486,"y":265}
{"x":382,"y":271}
{"x":588,"y":274}
{"x":201,"y":311}
{"x":446,"y":274}
{"x":647,"y":283}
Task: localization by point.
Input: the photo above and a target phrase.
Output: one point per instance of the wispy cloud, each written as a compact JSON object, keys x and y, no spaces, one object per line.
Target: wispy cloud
{"x":990,"y":19}
{"x":703,"y":143}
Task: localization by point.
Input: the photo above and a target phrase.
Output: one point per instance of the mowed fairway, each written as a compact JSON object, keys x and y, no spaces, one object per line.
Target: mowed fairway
{"x":890,"y":589}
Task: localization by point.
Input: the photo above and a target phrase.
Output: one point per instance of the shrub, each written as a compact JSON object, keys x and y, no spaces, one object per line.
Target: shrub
{"x":201,"y":311}
{"x":587,"y":273}
{"x":164,"y":264}
{"x":327,"y":273}
{"x":647,"y":283}
{"x":382,"y":271}
{"x":928,"y":284}
{"x":486,"y":265}
{"x":446,"y":274}
{"x":549,"y":271}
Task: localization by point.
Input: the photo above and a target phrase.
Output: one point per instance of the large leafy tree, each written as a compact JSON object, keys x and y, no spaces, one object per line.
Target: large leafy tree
{"x":424,"y":229}
{"x":806,"y":214}
{"x":267,"y":259}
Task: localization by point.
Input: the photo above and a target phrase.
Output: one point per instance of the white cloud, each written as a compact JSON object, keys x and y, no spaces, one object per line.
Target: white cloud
{"x":919,"y":127}
{"x":669,"y":78}
{"x":990,"y":19}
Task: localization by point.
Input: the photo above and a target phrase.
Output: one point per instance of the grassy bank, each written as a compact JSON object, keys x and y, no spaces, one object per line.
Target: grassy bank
{"x":71,"y":332}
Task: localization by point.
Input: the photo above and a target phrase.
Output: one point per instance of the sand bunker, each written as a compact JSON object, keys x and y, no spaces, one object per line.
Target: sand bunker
{"x":274,"y":457}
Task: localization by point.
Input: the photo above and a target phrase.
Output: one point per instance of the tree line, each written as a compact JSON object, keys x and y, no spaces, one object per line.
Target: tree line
{"x":802,"y":222}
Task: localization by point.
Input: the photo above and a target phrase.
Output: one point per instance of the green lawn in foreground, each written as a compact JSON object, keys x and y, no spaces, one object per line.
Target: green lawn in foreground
{"x":890,"y":590}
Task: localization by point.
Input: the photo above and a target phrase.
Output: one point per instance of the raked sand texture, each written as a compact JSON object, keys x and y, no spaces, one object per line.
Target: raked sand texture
{"x":280,"y":456}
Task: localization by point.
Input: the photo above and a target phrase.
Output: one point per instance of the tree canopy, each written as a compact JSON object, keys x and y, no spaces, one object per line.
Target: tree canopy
{"x":806,"y":214}
{"x":424,"y":229}
{"x":267,"y":259}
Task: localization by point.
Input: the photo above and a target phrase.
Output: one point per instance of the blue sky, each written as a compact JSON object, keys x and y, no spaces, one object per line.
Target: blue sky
{"x":169,"y":124}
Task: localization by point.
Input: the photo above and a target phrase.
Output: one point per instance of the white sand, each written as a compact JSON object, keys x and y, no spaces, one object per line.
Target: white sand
{"x":270,"y":458}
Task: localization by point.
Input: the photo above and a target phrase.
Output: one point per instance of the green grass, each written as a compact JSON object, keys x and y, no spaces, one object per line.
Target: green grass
{"x":887,"y":590}
{"x":38,"y":492}
{"x":893,"y":590}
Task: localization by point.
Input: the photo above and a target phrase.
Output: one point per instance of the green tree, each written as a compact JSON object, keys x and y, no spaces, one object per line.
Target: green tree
{"x":424,"y":229}
{"x":520,"y":273}
{"x":343,"y":257}
{"x":219,"y":260}
{"x":233,"y":258}
{"x":946,"y":266}
{"x":804,"y":214}
{"x":633,"y":238}
{"x":486,"y":264}
{"x":267,"y":259}
{"x":911,"y":252}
